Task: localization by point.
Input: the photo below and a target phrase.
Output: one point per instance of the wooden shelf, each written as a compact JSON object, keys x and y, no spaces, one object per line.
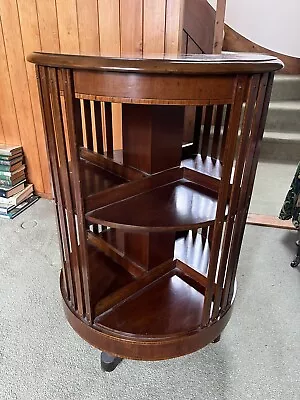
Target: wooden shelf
{"x":189,"y":248}
{"x":106,"y":276}
{"x":174,"y":200}
{"x":172,"y":307}
{"x":95,"y":179}
{"x":205,"y":165}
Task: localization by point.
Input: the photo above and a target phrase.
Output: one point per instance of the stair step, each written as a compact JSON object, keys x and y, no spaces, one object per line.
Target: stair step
{"x":286,"y":87}
{"x":281,"y":146}
{"x":284,"y":116}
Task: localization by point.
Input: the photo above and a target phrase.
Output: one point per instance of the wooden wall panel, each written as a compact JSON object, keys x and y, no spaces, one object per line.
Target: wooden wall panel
{"x":109,"y":27}
{"x":2,"y":137}
{"x":67,"y":26}
{"x":131,"y":28}
{"x":174,"y":24}
{"x":48,"y":25}
{"x":106,"y":27}
{"x":7,"y":110}
{"x":154,"y":27}
{"x":20,"y":88}
{"x":31,"y":42}
{"x":88,"y":27}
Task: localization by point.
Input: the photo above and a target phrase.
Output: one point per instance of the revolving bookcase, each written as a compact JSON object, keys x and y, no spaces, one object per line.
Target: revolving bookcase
{"x":151,"y":231}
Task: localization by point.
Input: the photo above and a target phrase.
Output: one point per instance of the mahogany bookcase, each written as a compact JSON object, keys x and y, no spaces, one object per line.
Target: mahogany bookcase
{"x":151,"y":233}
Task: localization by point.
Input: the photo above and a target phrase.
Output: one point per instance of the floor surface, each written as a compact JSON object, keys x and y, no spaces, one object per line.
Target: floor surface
{"x":41,"y":358}
{"x":272,"y":182}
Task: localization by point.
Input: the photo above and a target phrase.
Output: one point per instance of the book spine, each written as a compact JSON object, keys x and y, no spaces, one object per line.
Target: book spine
{"x":4,"y":162}
{"x":4,"y":177}
{"x":5,"y":174}
{"x":4,"y":168}
{"x":5,"y":182}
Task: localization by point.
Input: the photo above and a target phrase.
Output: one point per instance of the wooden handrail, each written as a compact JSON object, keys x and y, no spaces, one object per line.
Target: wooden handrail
{"x":219,"y":26}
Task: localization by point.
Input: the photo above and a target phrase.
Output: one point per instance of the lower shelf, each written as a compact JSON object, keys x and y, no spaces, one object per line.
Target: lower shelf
{"x":168,"y":306}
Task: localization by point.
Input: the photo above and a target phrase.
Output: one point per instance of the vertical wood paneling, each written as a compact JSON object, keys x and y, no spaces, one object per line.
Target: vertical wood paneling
{"x":88,"y":27}
{"x":31,"y":42}
{"x":154,"y":27}
{"x":67,"y":26}
{"x":174,"y":22}
{"x":47,"y":19}
{"x":109,"y":27}
{"x":20,"y":89}
{"x":2,"y":137}
{"x":131,"y":28}
{"x":106,"y":27}
{"x":7,"y":109}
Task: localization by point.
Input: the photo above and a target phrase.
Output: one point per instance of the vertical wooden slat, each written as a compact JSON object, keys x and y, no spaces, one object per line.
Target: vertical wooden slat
{"x":31,"y":42}
{"x":88,"y":27}
{"x":131,"y":28}
{"x":154,"y":22}
{"x":77,"y":121}
{"x":174,"y":27}
{"x":74,"y":149}
{"x":116,"y":109}
{"x":219,"y":26}
{"x":7,"y":110}
{"x":65,"y":183}
{"x":109,"y":16}
{"x":239,"y":167}
{"x":257,"y":131}
{"x":98,"y":126}
{"x":88,"y":124}
{"x":225,"y":130}
{"x":51,"y":144}
{"x":48,"y":27}
{"x":68,"y":26}
{"x":229,"y":154}
{"x":197,"y":128}
{"x":206,"y":130}
{"x":108,"y":129}
{"x":217,"y":131}
{"x":20,"y":89}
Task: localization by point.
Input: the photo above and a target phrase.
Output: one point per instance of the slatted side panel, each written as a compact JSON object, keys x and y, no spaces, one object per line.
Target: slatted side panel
{"x":106,"y":27}
{"x":222,"y":128}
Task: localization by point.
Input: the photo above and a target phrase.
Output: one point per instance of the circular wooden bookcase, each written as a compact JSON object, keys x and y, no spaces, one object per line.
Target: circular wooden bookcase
{"x":151,"y":231}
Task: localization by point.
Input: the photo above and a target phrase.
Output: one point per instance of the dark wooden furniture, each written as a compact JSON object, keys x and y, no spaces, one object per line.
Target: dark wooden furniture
{"x":151,"y":234}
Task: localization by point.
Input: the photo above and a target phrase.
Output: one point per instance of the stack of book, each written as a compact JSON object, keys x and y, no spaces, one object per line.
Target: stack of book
{"x":15,"y":194}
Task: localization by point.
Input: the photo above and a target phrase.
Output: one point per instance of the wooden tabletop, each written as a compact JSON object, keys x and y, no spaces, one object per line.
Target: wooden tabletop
{"x":225,"y":63}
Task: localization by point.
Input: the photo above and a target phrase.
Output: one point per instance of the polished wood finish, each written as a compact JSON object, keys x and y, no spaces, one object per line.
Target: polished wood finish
{"x":138,"y":279}
{"x":234,"y":41}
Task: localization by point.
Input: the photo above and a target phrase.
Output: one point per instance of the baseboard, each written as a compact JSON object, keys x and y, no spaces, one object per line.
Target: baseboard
{"x":270,"y":221}
{"x":47,"y":196}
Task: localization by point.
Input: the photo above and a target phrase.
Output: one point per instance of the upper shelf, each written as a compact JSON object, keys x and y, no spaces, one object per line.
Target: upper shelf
{"x":173,"y":200}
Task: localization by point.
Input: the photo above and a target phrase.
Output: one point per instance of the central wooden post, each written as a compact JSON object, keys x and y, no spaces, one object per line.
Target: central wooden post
{"x":152,"y":142}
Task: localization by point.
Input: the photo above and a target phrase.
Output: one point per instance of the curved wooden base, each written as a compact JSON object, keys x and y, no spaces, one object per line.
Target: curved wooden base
{"x":143,"y":348}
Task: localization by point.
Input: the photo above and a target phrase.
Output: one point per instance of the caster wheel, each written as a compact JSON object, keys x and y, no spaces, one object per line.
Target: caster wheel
{"x":109,"y":362}
{"x":295,"y":262}
{"x":217,"y":339}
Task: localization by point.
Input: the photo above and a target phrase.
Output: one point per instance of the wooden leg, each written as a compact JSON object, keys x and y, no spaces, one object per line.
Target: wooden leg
{"x":217,"y":339}
{"x":109,"y":362}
